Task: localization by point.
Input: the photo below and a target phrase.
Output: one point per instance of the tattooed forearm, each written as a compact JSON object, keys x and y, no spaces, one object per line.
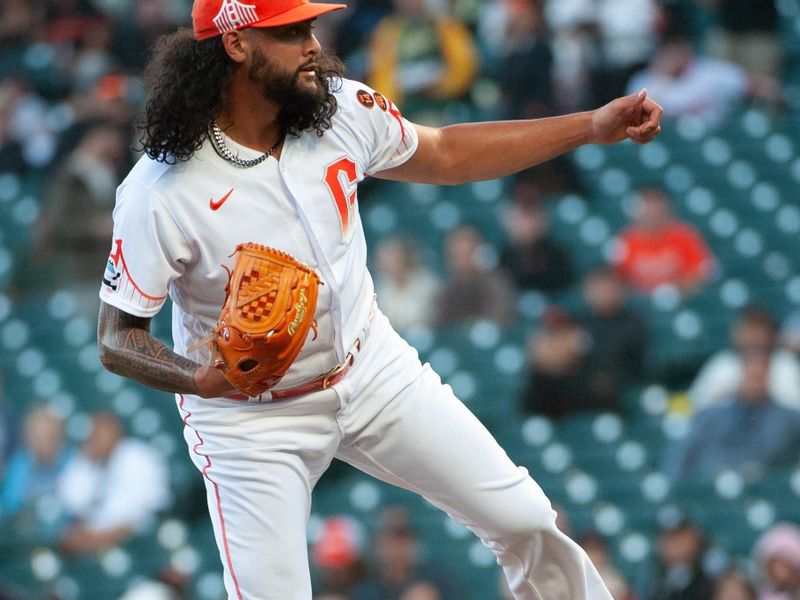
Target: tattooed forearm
{"x":127,"y":348}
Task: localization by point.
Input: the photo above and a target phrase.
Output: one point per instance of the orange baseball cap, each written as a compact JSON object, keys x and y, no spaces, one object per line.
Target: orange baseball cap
{"x":211,"y":18}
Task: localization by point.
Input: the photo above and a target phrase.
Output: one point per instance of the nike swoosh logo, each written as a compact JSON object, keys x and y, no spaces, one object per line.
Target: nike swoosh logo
{"x":220,"y":202}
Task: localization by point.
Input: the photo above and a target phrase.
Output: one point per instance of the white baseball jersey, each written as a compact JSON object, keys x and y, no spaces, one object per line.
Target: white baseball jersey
{"x":175,"y":226}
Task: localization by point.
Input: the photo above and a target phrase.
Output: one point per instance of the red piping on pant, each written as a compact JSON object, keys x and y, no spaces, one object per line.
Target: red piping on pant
{"x":216,"y":494}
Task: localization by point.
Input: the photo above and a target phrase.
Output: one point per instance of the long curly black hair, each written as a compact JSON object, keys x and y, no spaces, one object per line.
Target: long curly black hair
{"x":188,"y":81}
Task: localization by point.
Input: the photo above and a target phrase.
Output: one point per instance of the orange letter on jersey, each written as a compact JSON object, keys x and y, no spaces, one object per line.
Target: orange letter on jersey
{"x":344,"y":203}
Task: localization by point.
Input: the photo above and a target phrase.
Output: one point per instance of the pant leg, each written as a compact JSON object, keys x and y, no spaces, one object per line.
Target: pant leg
{"x":419,"y":436}
{"x":260,"y":464}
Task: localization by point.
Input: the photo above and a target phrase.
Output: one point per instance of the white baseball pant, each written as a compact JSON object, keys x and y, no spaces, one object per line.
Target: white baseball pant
{"x":393,"y":418}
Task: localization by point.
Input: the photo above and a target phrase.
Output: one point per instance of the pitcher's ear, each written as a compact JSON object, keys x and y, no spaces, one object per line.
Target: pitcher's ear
{"x":235,"y":44}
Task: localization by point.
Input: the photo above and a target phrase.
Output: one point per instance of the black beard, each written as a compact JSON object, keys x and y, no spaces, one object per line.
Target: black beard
{"x":299,"y":104}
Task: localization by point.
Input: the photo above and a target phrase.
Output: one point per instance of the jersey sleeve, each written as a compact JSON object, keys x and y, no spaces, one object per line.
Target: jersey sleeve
{"x":148,"y":253}
{"x":386,"y":138}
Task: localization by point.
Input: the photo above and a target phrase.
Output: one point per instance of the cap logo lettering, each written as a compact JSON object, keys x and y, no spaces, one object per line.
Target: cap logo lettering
{"x":234,"y":15}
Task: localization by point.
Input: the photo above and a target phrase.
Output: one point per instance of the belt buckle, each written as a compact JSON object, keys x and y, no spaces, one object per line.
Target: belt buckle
{"x":348,"y":361}
{"x":326,"y":381}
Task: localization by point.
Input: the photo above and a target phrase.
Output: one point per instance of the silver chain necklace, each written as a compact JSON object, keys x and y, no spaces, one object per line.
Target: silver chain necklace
{"x":218,"y":141}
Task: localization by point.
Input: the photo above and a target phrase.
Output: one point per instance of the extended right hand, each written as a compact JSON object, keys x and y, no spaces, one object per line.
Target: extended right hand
{"x":635,"y":116}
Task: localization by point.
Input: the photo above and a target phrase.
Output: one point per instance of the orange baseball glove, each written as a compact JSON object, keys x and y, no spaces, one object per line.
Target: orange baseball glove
{"x":268,"y":310}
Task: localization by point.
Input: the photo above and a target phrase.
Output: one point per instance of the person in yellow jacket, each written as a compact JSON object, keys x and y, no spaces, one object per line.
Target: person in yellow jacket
{"x":418,"y":56}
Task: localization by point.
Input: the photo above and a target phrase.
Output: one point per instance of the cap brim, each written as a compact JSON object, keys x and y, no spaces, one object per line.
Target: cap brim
{"x":304,"y":12}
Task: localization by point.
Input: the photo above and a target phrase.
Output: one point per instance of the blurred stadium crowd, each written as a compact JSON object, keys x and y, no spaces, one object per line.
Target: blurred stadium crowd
{"x":626,"y":320}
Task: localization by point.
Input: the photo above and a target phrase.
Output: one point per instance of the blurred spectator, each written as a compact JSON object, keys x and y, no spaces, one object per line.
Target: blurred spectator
{"x":597,"y":550}
{"x":777,"y":553}
{"x":170,"y":584}
{"x":534,"y":260}
{"x":420,"y":58}
{"x":574,"y":51}
{"x":558,"y":383}
{"x":628,"y":34}
{"x":753,"y":331}
{"x":406,"y":290}
{"x":747,"y":34}
{"x":597,"y":44}
{"x":658,"y":249}
{"x":35,"y":467}
{"x":19,"y":21}
{"x":749,"y":431}
{"x":336,"y":556}
{"x":140,"y":24}
{"x":553,"y":178}
{"x":790,"y":333}
{"x":150,"y":590}
{"x":75,"y":225}
{"x":26,"y":138}
{"x":82,"y":51}
{"x":112,"y":100}
{"x":514,"y":32}
{"x":680,"y":574}
{"x":707,"y":88}
{"x":92,"y":58}
{"x":733,"y":586}
{"x":80,"y":39}
{"x":112,"y":489}
{"x":400,"y":574}
{"x":617,"y":337}
{"x":473,"y":289}
{"x":422,"y":590}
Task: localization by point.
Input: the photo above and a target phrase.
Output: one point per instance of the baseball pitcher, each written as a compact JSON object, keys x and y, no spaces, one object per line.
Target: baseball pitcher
{"x":244,"y":211}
